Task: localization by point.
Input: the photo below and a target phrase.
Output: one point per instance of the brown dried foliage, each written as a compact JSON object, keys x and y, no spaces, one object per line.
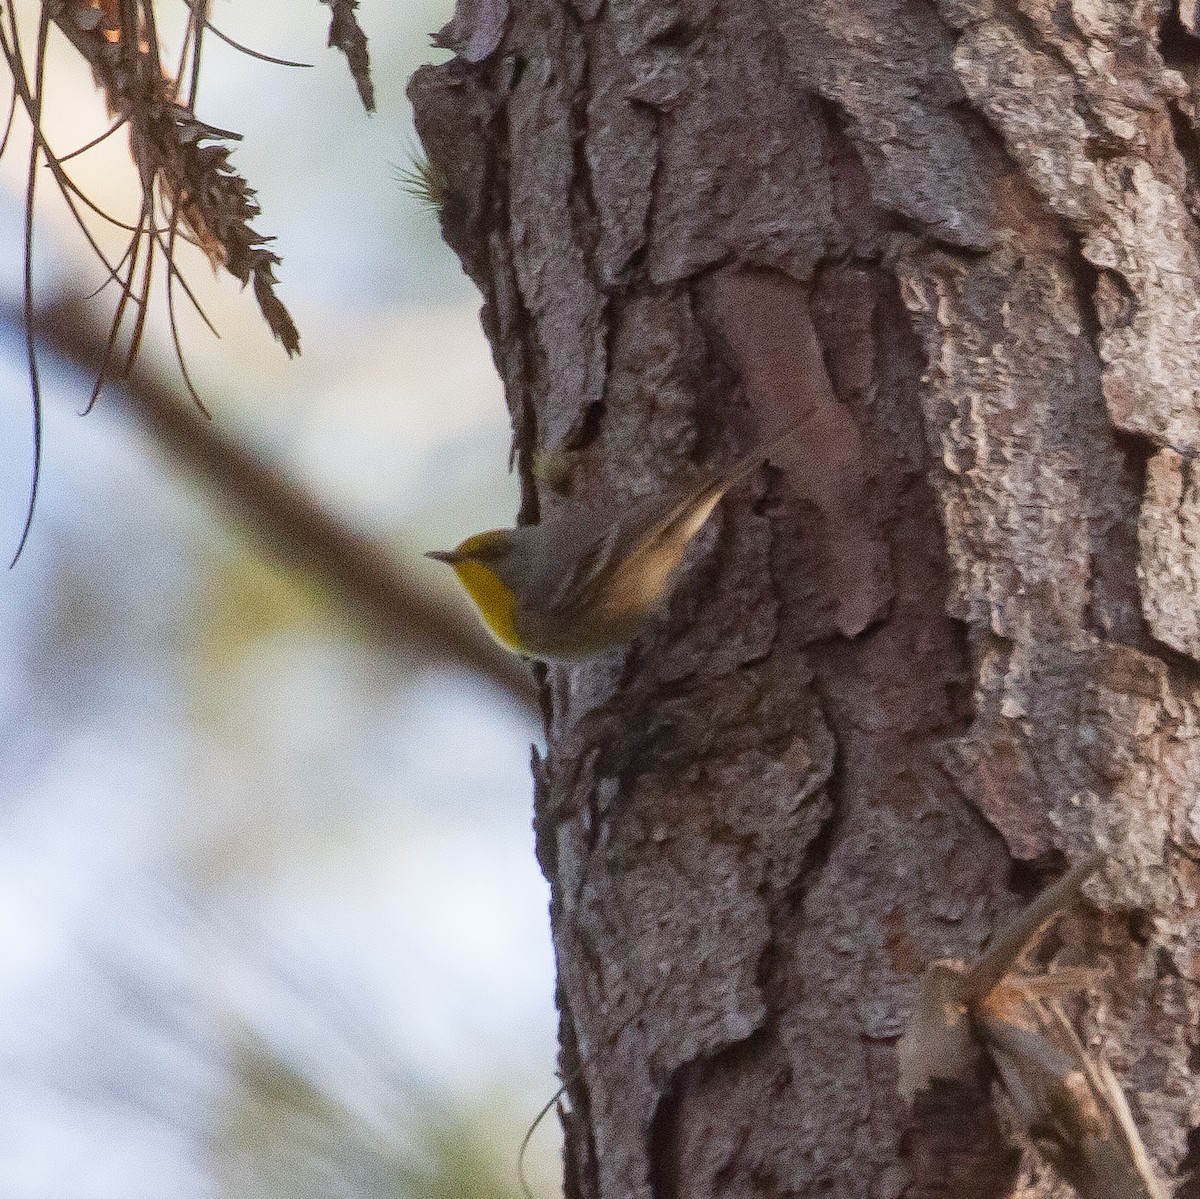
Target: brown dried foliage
{"x":189,"y":188}
{"x":181,"y":160}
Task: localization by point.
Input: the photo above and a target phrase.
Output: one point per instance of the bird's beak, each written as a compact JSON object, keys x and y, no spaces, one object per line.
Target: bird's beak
{"x":450,"y":556}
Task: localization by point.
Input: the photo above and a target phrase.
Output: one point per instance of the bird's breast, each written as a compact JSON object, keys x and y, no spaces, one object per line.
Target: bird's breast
{"x":493,"y":598}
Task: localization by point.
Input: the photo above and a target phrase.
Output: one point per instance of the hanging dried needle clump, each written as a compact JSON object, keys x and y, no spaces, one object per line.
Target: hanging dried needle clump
{"x":189,"y":189}
{"x":183,"y":163}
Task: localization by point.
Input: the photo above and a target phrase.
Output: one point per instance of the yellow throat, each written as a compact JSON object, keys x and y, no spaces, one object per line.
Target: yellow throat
{"x":496,"y":603}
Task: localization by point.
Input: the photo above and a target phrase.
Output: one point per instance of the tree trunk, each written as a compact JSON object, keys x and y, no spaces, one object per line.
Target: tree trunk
{"x":949,"y":644}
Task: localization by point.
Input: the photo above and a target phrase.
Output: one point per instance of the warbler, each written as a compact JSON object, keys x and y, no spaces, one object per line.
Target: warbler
{"x":588,"y":578}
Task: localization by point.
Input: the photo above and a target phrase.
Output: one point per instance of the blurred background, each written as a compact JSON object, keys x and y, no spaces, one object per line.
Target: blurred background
{"x":270,"y":920}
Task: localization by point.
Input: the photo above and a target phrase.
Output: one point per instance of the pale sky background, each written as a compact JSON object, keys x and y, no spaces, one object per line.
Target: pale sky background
{"x":227,"y":817}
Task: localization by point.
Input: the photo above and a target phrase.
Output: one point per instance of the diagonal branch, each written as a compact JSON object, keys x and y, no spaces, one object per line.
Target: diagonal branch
{"x":282,"y":516}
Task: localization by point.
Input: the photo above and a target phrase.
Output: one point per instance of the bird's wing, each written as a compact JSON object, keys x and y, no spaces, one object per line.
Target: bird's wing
{"x":644,"y":524}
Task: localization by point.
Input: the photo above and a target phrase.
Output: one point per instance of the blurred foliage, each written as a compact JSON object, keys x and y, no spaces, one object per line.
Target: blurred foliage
{"x":285,"y":1135}
{"x":248,"y":599}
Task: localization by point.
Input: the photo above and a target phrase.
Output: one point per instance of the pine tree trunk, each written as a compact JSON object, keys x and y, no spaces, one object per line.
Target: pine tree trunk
{"x":950,"y":644}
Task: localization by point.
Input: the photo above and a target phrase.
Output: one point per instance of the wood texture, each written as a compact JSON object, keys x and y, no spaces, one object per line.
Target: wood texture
{"x":951,"y":644}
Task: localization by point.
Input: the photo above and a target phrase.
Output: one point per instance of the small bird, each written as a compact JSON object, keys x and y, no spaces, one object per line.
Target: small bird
{"x":587,"y":578}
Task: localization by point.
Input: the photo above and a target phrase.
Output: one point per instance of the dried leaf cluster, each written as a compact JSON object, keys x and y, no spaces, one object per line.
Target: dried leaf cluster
{"x":189,"y":188}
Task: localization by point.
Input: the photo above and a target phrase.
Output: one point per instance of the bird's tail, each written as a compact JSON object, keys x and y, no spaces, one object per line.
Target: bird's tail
{"x":692,"y":508}
{"x":763,"y":449}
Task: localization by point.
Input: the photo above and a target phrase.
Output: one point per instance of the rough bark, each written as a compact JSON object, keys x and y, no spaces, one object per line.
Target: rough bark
{"x":952,"y":645}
